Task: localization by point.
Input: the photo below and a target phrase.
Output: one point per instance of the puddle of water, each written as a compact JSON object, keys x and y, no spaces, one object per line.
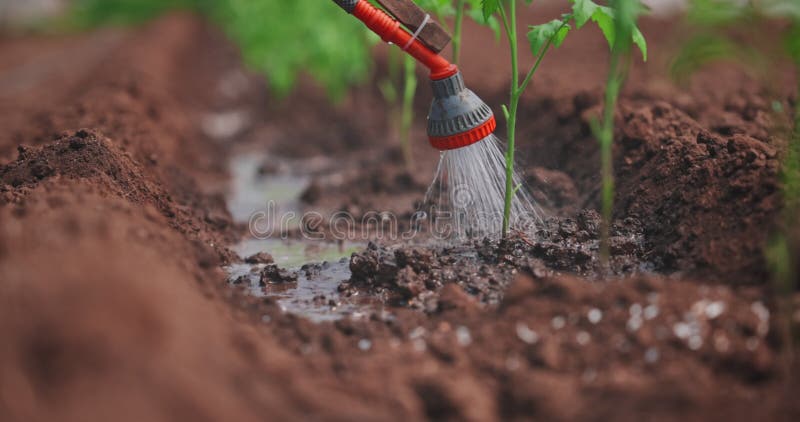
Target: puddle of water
{"x":320,"y":266}
{"x":251,"y":192}
{"x":295,"y":253}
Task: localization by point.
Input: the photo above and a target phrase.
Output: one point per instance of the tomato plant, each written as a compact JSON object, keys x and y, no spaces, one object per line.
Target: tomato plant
{"x":541,"y":38}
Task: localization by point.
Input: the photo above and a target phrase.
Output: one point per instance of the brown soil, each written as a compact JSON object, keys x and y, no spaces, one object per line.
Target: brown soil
{"x":114,"y":229}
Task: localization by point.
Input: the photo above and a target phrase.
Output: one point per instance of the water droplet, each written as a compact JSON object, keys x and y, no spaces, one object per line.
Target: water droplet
{"x":364,"y":344}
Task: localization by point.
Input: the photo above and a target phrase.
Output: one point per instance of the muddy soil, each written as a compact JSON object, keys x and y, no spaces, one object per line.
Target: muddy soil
{"x":116,"y":247}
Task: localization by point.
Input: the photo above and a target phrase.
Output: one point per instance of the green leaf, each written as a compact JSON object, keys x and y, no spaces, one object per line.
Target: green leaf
{"x":554,"y":31}
{"x":489,"y":7}
{"x":638,"y":39}
{"x":583,"y":10}
{"x":476,"y":13}
{"x":604,"y":18}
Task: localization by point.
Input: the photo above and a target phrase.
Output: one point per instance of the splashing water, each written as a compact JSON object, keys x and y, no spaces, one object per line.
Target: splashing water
{"x":466,"y":199}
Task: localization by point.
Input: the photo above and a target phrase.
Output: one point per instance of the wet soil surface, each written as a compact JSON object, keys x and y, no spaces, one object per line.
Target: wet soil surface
{"x":130,"y":278}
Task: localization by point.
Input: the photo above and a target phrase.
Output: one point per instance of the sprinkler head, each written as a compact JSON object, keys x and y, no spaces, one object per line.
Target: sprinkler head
{"x":458,"y":118}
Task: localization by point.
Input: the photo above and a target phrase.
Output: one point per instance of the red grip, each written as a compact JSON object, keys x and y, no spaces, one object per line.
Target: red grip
{"x":390,"y":31}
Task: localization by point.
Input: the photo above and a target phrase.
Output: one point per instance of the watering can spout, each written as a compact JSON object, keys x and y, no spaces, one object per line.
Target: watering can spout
{"x":458,"y":118}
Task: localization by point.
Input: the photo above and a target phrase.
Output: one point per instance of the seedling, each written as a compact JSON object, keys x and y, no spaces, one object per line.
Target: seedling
{"x":626,"y":13}
{"x":541,"y":38}
{"x":460,"y":125}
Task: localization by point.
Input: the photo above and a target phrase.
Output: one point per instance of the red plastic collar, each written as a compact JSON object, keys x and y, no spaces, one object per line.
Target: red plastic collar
{"x":444,"y":143}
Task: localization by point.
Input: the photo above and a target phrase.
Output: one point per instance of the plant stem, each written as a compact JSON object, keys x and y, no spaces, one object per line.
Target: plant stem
{"x":407,"y":112}
{"x":510,"y":24}
{"x":459,"y":23}
{"x":517,"y":89}
{"x":605,"y":134}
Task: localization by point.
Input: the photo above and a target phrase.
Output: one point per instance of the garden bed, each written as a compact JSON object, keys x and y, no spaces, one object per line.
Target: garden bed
{"x":116,"y":237}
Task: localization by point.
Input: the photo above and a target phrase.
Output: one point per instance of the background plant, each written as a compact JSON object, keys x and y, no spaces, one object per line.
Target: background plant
{"x":541,"y":38}
{"x":281,"y":39}
{"x":735,"y":31}
{"x":625,"y":33}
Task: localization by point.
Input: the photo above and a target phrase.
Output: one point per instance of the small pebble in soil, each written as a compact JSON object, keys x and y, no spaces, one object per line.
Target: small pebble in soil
{"x":650,"y":312}
{"x":634,"y":323}
{"x":364,"y":345}
{"x":583,"y":338}
{"x":463,"y":336}
{"x":416,"y":333}
{"x":266,"y":319}
{"x":695,"y":342}
{"x":259,"y":258}
{"x":558,"y":322}
{"x":762,"y":313}
{"x":274,"y":274}
{"x":526,"y":334}
{"x":714,"y":309}
{"x":594,"y":315}
{"x":681,"y":330}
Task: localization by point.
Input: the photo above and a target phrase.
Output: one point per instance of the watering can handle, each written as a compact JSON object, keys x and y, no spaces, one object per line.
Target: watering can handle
{"x":428,"y":31}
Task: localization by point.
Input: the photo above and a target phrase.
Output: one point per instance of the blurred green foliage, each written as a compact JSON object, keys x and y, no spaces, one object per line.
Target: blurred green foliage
{"x":733,"y":30}
{"x":91,"y":13}
{"x":281,"y":39}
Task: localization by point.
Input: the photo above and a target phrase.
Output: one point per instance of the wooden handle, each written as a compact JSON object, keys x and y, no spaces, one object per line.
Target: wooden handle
{"x":412,"y":16}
